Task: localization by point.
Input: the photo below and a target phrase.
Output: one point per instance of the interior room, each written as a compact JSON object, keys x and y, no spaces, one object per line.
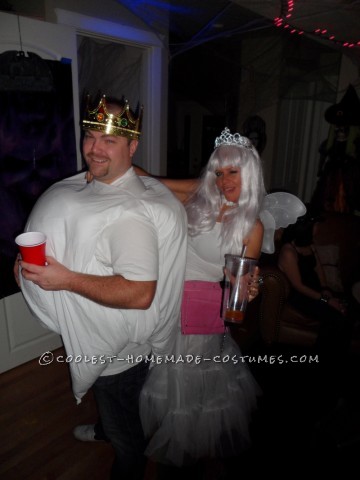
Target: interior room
{"x":284,"y":74}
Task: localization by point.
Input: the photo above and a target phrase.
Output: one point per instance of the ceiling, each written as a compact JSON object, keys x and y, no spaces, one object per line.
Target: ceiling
{"x":207,"y":63}
{"x":193,"y":22}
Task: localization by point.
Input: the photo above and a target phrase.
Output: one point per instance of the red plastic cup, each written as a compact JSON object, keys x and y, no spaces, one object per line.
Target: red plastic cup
{"x":32,"y":247}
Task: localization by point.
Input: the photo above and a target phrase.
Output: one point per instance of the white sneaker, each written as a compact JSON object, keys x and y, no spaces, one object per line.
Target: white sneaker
{"x":85,"y":433}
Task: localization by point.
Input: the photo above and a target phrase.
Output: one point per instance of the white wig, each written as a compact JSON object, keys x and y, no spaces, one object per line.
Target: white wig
{"x":204,"y":206}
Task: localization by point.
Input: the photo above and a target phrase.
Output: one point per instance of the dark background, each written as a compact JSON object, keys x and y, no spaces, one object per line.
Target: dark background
{"x":37,"y":145}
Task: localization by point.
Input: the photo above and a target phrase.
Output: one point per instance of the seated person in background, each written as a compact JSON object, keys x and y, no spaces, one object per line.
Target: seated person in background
{"x":309,"y":294}
{"x":299,"y":261}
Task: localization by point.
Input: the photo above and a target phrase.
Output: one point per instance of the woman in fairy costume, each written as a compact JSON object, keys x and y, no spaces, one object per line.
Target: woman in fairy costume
{"x":194,"y":410}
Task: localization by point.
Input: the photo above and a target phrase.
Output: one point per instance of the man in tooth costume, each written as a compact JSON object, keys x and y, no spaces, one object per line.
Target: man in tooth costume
{"x":87,"y":227}
{"x":116,"y":228}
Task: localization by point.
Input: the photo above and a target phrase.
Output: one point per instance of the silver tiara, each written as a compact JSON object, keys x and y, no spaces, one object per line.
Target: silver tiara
{"x":226,"y":138}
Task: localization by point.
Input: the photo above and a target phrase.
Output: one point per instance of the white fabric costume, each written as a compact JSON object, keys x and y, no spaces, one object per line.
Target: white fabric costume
{"x":196,"y":405}
{"x":203,"y":407}
{"x":134,"y":228}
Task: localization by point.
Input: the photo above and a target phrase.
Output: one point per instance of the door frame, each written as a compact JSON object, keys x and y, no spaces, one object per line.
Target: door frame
{"x":153,"y":145}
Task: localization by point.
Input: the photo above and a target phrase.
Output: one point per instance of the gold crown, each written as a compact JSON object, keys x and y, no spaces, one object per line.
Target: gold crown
{"x":125,"y":123}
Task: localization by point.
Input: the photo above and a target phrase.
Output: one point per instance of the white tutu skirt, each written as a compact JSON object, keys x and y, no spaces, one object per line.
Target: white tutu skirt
{"x":199,"y":402}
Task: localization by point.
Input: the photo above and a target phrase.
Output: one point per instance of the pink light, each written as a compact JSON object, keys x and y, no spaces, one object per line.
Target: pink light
{"x":278,"y":21}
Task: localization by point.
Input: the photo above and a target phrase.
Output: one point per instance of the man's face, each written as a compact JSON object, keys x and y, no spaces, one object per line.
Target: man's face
{"x":108,"y":157}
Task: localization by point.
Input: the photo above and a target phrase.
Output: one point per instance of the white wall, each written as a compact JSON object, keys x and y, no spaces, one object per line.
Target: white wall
{"x":104,"y":9}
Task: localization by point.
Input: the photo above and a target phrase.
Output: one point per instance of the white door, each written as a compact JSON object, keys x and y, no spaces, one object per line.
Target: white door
{"x":21,"y":336}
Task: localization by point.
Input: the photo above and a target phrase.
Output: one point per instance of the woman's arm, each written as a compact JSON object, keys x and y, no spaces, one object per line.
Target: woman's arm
{"x":254,"y":241}
{"x":181,"y":188}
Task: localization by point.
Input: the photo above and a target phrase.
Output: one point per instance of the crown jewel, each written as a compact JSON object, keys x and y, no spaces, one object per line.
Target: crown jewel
{"x":125,"y":123}
{"x":227,"y":138}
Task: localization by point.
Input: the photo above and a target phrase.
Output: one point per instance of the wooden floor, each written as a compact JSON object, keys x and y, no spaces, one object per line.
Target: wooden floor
{"x":37,"y":415}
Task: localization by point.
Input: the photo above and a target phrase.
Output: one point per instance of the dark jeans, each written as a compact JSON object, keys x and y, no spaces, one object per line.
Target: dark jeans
{"x":117,"y":398}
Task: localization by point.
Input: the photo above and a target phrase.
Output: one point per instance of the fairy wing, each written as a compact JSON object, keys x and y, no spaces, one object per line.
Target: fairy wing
{"x":278,"y":210}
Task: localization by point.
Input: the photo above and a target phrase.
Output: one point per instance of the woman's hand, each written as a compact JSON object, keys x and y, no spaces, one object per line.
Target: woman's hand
{"x":89,"y":177}
{"x":53,"y":276}
{"x":254,"y":283}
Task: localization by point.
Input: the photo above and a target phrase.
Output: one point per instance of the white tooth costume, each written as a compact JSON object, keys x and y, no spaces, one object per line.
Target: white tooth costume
{"x":127,"y":228}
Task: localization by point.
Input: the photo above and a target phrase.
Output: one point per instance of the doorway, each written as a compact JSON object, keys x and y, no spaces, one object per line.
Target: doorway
{"x":145,"y":55}
{"x":111,"y":68}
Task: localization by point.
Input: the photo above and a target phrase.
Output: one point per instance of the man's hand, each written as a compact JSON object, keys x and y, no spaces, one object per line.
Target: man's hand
{"x":53,"y":276}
